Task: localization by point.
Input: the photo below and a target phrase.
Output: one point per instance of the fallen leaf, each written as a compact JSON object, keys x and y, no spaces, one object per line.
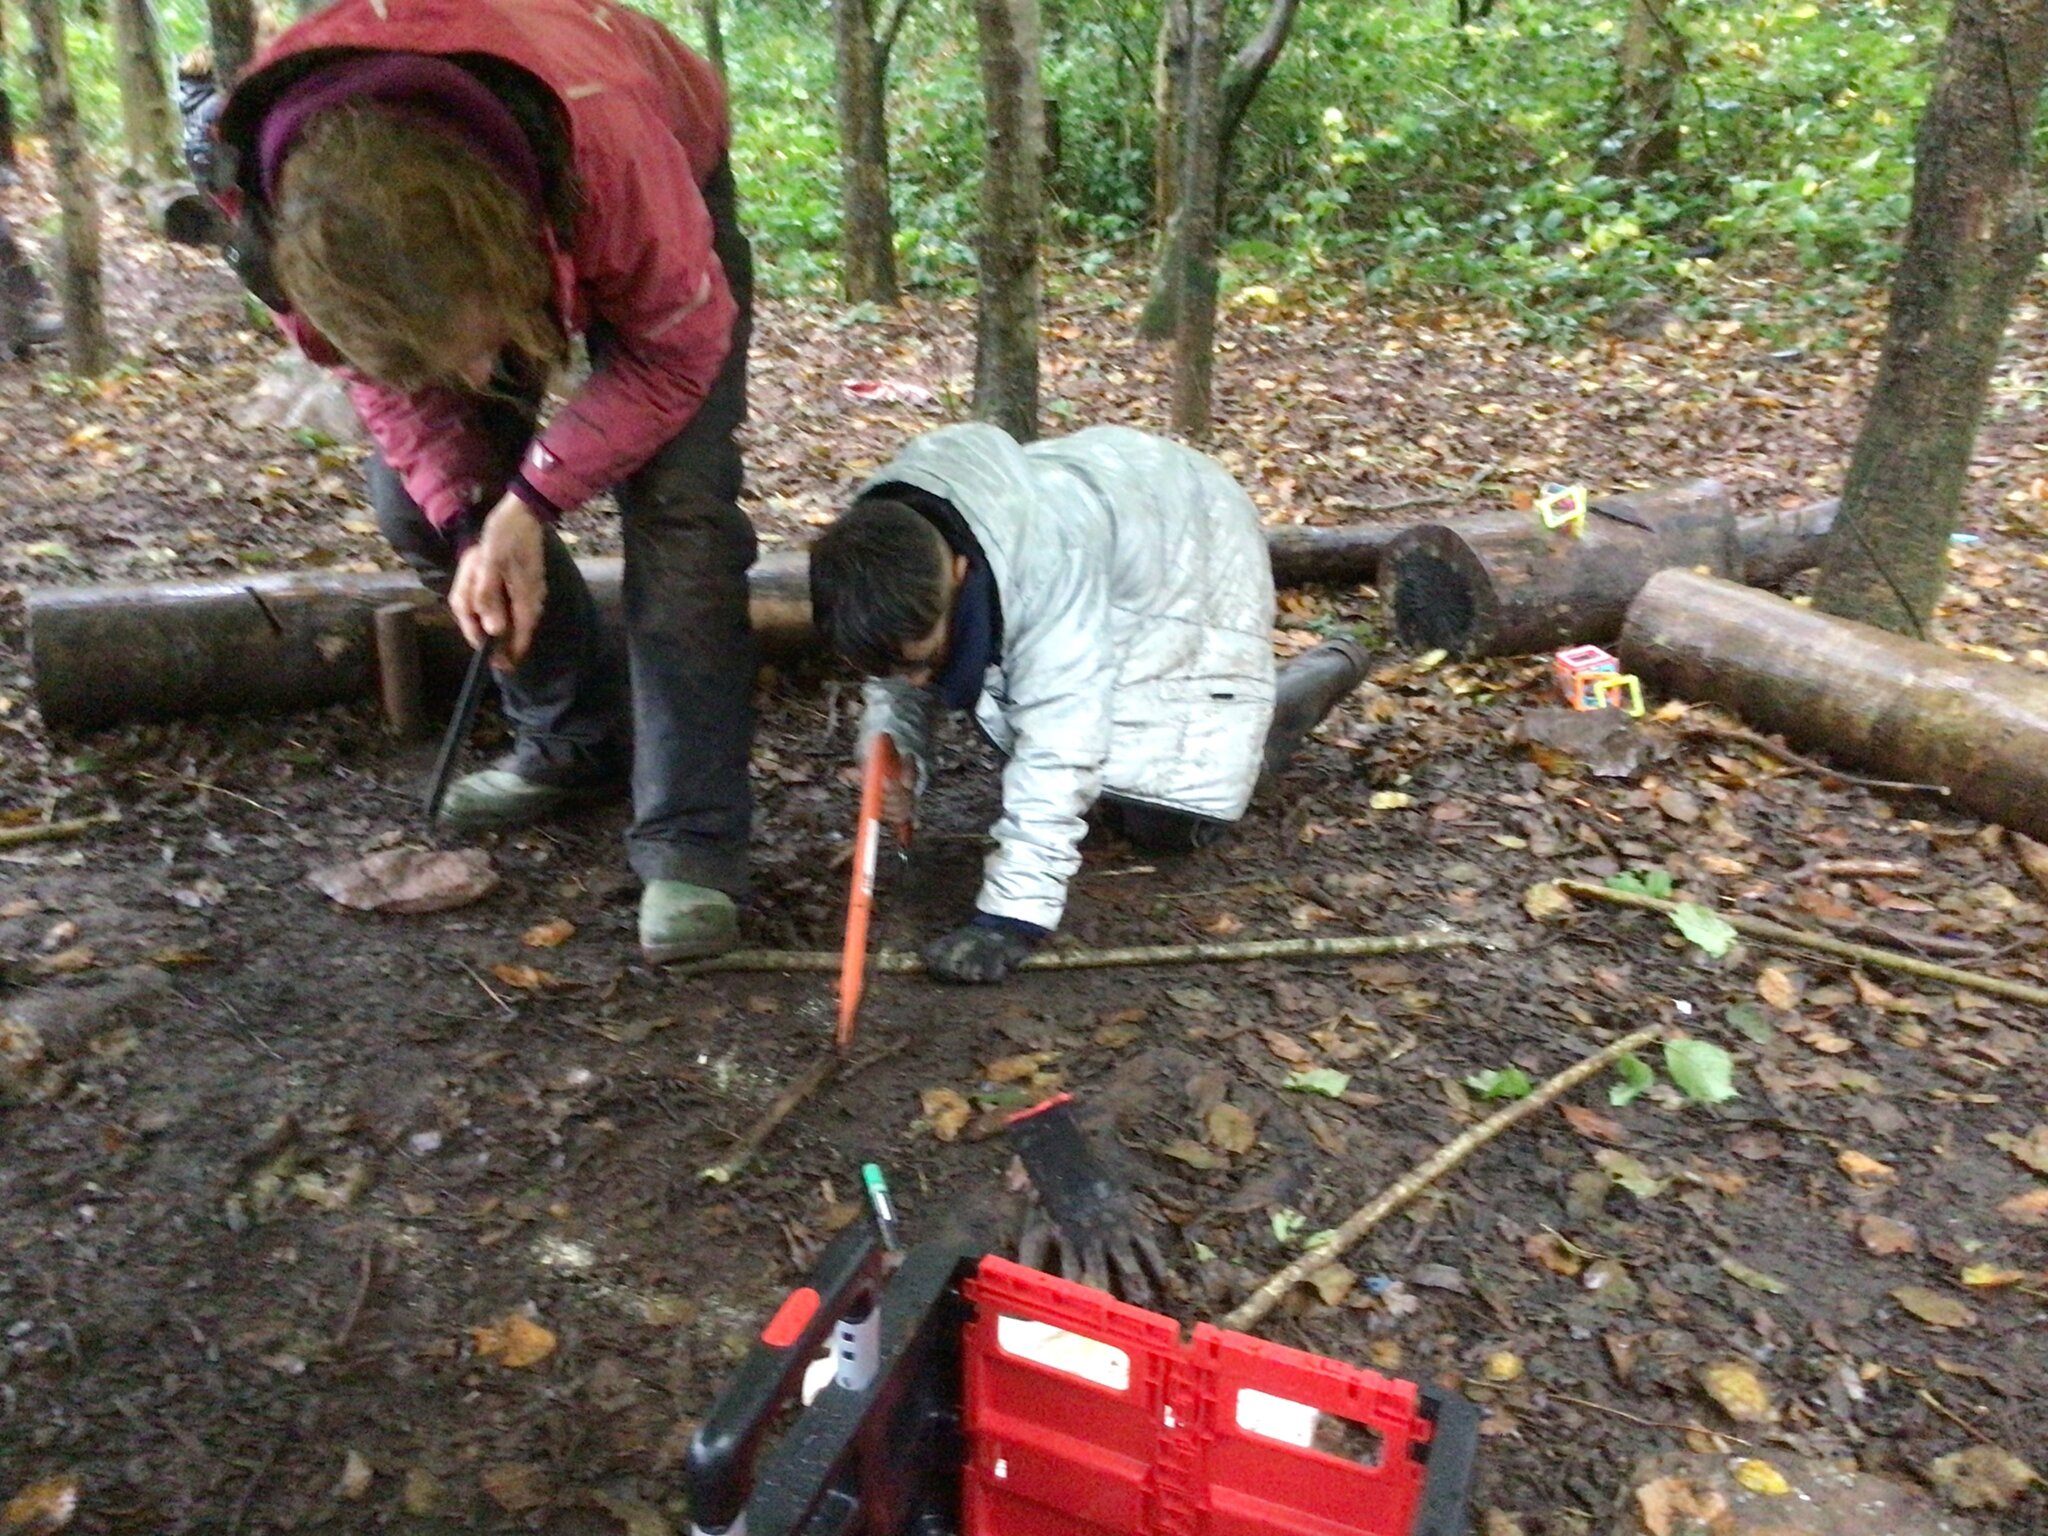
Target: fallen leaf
{"x":2031,"y":1149}
{"x":1333,"y":1282}
{"x":1503,"y":1366}
{"x":1990,"y":1276}
{"x":516,"y":1486}
{"x":1761,"y":1477}
{"x":356,"y":1476}
{"x":68,"y":962}
{"x":1882,"y":1235}
{"x":525,"y":977}
{"x":1983,"y":1477}
{"x":1864,"y":1169}
{"x":1677,"y":804}
{"x":1933,"y":1308}
{"x":1015,"y":1069}
{"x":1390,"y":800}
{"x":1636,"y":1076}
{"x":1194,"y":1154}
{"x":1593,"y":1125}
{"x":2029,"y":1209}
{"x":1327,"y":1081}
{"x":1231,"y":1129}
{"x":1501,"y":1083}
{"x":1703,"y":1071}
{"x":1671,"y":1505}
{"x":552,"y":934}
{"x":515,"y":1341}
{"x":409,"y":880}
{"x":1554,"y":1254}
{"x":1545,"y":901}
{"x":421,"y":1493}
{"x":1776,"y":987}
{"x":1631,"y":1175}
{"x":1708,"y":930}
{"x":1740,"y":1391}
{"x":40,"y":1507}
{"x":639,"y":1519}
{"x":946,"y":1112}
{"x":1755,"y":1279}
{"x":1286,"y":1047}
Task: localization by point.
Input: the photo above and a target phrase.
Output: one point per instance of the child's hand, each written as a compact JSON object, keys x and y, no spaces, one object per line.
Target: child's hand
{"x":899,"y":803}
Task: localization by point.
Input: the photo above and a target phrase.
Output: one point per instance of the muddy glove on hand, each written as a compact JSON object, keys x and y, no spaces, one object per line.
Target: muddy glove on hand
{"x":985,"y":949}
{"x":1083,"y":1208}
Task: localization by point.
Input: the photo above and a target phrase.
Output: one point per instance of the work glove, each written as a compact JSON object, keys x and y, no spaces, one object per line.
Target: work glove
{"x":1084,"y":1211}
{"x":985,"y":949}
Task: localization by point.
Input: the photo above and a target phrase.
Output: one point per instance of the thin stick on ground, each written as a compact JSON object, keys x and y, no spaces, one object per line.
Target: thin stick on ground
{"x":828,"y":1068}
{"x":1623,"y":1413}
{"x":1784,"y":754}
{"x":51,"y":831}
{"x":1798,"y":938}
{"x":896,"y":962}
{"x":1426,"y":1173}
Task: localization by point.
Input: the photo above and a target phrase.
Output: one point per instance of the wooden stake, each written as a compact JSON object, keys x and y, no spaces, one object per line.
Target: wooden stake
{"x":1426,"y":1173}
{"x":815,"y":1077}
{"x":897,"y":962}
{"x":1864,"y":954}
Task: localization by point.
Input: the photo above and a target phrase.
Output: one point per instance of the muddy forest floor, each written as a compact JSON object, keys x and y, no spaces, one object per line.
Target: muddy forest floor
{"x":249,"y":1226}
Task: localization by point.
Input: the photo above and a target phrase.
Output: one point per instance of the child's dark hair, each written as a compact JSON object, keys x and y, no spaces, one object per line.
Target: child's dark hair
{"x":878,"y":583}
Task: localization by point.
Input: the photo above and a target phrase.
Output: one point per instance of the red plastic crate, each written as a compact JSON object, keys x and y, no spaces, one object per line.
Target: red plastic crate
{"x":1158,"y":1449}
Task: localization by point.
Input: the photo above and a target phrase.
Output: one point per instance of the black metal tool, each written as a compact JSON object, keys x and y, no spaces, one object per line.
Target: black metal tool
{"x":458,"y":727}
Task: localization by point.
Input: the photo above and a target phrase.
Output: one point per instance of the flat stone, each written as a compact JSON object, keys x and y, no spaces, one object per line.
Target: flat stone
{"x":295,"y":393}
{"x":1683,"y":1493}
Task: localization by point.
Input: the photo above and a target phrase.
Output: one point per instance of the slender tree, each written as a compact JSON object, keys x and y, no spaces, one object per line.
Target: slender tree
{"x":1012,"y":213}
{"x":714,"y":34}
{"x":1241,"y":81}
{"x":149,"y":126}
{"x":867,"y":221}
{"x":86,"y":347}
{"x":1644,"y":136}
{"x":8,"y":160}
{"x":1973,"y":236}
{"x":232,"y":25}
{"x":1194,"y":338}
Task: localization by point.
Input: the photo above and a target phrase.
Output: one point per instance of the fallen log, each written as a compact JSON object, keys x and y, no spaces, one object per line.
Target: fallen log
{"x":1504,"y":585}
{"x":278,"y":643}
{"x":1904,"y":708}
{"x":1305,"y":556}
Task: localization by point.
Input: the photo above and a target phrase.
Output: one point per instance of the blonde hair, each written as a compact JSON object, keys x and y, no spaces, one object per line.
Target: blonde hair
{"x":394,"y":241}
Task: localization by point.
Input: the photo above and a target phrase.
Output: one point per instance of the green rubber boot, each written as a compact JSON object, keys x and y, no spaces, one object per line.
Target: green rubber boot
{"x":492,"y":799}
{"x":680,"y":921}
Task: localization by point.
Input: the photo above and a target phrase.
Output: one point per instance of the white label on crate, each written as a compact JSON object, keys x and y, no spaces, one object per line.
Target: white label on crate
{"x":1056,"y":1349}
{"x":1277,"y":1418}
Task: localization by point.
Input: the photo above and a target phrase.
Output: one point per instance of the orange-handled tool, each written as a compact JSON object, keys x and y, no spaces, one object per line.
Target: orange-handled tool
{"x":884,"y":764}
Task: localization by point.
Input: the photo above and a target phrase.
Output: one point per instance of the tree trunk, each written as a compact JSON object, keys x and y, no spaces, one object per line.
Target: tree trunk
{"x":9,"y":160}
{"x":714,"y":34}
{"x":86,"y":349}
{"x":1161,"y":316}
{"x":232,"y":24}
{"x":286,"y":642}
{"x":1240,"y":86}
{"x":149,"y":126}
{"x":1194,"y":341}
{"x":1653,"y":64}
{"x":867,"y":240}
{"x":1973,"y":236}
{"x":1900,"y":708}
{"x":1012,"y":204}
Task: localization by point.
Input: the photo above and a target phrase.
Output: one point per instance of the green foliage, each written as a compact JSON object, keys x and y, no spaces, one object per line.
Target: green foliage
{"x":1636,"y":1078}
{"x":1705,"y":928}
{"x":1389,"y":151}
{"x":1649,"y":882}
{"x":1703,"y":1071}
{"x":1501,"y":1083}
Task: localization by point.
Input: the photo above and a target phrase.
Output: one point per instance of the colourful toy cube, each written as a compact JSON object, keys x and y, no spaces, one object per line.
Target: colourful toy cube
{"x":1577,"y":671}
{"x":1563,"y":506}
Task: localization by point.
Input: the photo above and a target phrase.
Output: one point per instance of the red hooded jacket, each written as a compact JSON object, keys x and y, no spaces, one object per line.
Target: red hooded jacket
{"x":647,"y":128}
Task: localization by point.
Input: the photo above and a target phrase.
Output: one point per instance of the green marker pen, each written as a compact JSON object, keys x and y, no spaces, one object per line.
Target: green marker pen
{"x":878,"y":1197}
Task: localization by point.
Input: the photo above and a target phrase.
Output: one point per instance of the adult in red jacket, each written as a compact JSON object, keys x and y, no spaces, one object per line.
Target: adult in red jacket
{"x":434,"y":196}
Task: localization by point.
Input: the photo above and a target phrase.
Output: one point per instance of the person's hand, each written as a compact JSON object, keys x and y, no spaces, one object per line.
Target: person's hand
{"x":899,"y":801}
{"x":982,"y":951}
{"x":501,"y":583}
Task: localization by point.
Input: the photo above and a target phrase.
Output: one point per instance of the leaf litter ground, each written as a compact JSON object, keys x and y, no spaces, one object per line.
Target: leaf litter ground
{"x":275,"y":1166}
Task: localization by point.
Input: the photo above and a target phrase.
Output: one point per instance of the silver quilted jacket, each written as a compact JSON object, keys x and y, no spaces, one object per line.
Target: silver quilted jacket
{"x":1137,"y":601}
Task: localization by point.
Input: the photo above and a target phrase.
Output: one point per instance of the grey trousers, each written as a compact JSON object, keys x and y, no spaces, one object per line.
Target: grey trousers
{"x":679,"y":711}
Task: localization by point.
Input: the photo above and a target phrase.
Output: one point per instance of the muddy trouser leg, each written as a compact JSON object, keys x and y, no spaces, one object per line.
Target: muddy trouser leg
{"x":564,"y":702}
{"x":689,"y":640}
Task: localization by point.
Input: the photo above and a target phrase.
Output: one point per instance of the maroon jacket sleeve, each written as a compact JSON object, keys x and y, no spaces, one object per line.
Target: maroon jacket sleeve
{"x":645,"y":265}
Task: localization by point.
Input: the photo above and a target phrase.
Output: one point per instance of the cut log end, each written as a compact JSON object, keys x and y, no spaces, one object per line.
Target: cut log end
{"x":1436,"y":600}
